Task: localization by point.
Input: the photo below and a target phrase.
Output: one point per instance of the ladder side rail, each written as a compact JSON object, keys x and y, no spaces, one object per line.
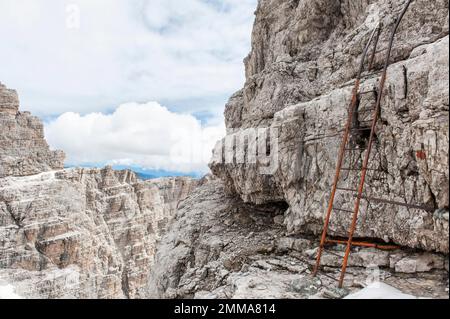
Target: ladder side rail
{"x":375,"y":46}
{"x":370,"y":145}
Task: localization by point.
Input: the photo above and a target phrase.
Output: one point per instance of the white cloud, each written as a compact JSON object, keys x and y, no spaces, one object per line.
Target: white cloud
{"x":185,"y":54}
{"x":143,"y":50}
{"x":145,"y":135}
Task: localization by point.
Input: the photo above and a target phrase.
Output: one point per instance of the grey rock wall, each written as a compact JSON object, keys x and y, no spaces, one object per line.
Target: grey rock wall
{"x":222,"y":248}
{"x":300,"y":74}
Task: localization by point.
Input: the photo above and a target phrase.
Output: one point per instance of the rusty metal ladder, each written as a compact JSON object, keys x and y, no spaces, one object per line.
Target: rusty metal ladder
{"x":353,"y":109}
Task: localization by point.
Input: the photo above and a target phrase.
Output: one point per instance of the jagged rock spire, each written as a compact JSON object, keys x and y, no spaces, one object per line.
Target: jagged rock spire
{"x":9,"y":100}
{"x":23,"y":149}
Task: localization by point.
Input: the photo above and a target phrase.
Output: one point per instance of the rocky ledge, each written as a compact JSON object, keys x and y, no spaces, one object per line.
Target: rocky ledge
{"x":252,"y":232}
{"x":220,"y":247}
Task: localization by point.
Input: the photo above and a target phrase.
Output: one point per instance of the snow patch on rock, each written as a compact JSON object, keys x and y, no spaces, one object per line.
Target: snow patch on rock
{"x":379,"y":290}
{"x":7,"y":292}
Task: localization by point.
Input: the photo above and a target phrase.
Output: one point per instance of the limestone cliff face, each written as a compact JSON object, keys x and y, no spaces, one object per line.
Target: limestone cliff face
{"x":300,"y":74}
{"x":75,"y":233}
{"x":23,"y":149}
{"x":304,"y":49}
{"x":248,"y":234}
{"x":220,"y":247}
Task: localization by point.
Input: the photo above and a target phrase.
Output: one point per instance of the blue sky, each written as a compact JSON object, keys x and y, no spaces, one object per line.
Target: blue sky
{"x":87,"y":67}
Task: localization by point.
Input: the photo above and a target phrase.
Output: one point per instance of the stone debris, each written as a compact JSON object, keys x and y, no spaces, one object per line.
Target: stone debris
{"x":203,"y":257}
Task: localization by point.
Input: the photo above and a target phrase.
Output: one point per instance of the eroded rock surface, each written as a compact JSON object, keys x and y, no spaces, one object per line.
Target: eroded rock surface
{"x":23,"y":149}
{"x":220,"y":247}
{"x":299,"y":79}
{"x":304,"y":49}
{"x":83,"y":233}
{"x":74,"y":233}
{"x":300,"y":73}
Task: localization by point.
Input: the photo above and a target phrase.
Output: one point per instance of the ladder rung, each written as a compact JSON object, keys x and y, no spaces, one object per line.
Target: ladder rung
{"x":347,"y":189}
{"x":360,"y":169}
{"x":333,"y":253}
{"x":337,"y":242}
{"x":356,"y":129}
{"x":350,"y":169}
{"x":391,"y":202}
{"x":366,"y":92}
{"x":360,"y":129}
{"x":355,"y":149}
{"x":363,"y":244}
{"x":331,"y":277}
{"x":380,"y":50}
{"x":365,"y":111}
{"x":366,"y":121}
{"x":376,"y":72}
{"x":343,"y":210}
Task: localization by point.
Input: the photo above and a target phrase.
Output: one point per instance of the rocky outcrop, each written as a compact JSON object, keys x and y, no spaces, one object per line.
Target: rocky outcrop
{"x":304,"y":49}
{"x":252,"y":232}
{"x":9,"y":100}
{"x":220,"y":247}
{"x":83,"y":233}
{"x":74,"y":233}
{"x":299,"y":79}
{"x":23,"y":149}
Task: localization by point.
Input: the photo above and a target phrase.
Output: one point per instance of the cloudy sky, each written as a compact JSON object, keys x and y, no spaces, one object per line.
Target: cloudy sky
{"x":127,"y":82}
